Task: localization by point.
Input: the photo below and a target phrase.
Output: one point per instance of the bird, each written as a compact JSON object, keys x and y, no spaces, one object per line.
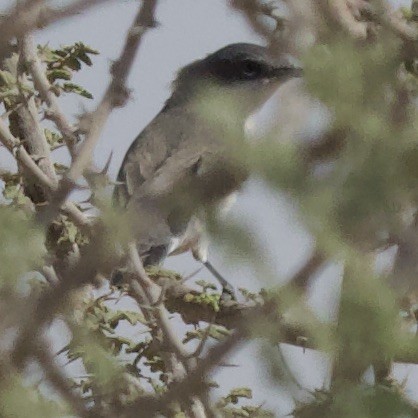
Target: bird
{"x":181,"y":163}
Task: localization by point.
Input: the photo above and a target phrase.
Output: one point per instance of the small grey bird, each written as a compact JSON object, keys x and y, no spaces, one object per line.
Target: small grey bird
{"x":181,"y":162}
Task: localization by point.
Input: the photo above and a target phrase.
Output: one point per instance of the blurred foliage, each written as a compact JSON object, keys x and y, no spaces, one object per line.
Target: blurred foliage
{"x":228,"y":405}
{"x":62,"y":235}
{"x":22,"y":246}
{"x":363,"y":400}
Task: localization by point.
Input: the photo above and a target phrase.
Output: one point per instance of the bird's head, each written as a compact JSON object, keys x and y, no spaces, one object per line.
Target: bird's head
{"x":247,"y":73}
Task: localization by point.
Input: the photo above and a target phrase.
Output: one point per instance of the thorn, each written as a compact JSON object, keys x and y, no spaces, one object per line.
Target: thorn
{"x":48,"y":115}
{"x":191,"y":275}
{"x":87,"y":201}
{"x":84,"y":122}
{"x":106,"y":166}
{"x":37,"y":158}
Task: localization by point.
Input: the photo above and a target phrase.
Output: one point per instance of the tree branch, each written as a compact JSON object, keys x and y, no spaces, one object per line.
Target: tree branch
{"x":115,"y":96}
{"x":25,"y":123}
{"x":151,"y":293}
{"x":55,"y":113}
{"x":192,"y":385}
{"x":22,"y":156}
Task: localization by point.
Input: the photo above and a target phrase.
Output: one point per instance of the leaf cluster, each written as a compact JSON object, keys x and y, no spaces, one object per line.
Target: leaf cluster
{"x":63,"y":62}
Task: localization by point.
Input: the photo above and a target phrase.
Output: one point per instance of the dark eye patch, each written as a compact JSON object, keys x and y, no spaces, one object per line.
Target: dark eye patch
{"x":251,"y":69}
{"x":240,"y":70}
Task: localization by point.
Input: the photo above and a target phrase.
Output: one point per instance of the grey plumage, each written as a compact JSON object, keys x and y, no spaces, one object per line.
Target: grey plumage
{"x":181,"y":161}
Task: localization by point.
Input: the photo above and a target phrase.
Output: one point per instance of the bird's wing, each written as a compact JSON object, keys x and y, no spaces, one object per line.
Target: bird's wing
{"x":176,"y":171}
{"x":149,"y":185}
{"x":161,"y":215}
{"x":138,"y":165}
{"x":165,"y":146}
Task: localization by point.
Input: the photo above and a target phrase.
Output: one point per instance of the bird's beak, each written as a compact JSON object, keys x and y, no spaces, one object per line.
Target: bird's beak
{"x":296,"y":72}
{"x":287,"y":72}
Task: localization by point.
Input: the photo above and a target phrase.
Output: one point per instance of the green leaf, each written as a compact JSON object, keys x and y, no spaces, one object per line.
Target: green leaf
{"x":47,"y":54}
{"x":206,"y":285}
{"x":250,"y":296}
{"x":88,"y":50}
{"x":73,"y":63}
{"x":156,"y":364}
{"x":132,"y":317}
{"x":204,"y":299}
{"x":85,"y":58}
{"x":238,"y":393}
{"x":60,"y":168}
{"x":61,"y":236}
{"x":11,"y":190}
{"x":117,"y":343}
{"x":75,"y":88}
{"x":54,"y":139}
{"x":59,"y":74}
{"x":217,"y":332}
{"x":70,"y":232}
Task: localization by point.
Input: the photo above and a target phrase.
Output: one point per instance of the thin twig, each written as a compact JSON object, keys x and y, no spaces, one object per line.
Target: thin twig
{"x":203,"y":341}
{"x":177,"y":359}
{"x":311,"y":267}
{"x":151,"y":292}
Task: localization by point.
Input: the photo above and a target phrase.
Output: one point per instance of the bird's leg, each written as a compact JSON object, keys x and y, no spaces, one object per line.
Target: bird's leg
{"x":226,"y":286}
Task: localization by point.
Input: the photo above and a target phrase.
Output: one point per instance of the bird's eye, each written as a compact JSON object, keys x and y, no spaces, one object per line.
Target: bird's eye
{"x":250,"y":69}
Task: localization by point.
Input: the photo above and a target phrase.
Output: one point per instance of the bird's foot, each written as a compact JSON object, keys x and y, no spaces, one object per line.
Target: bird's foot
{"x":228,"y":294}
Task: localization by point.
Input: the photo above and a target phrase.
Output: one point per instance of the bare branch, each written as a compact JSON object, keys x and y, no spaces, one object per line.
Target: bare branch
{"x":15,"y":148}
{"x":151,"y":291}
{"x":22,"y":156}
{"x":26,"y":125}
{"x":42,"y":84}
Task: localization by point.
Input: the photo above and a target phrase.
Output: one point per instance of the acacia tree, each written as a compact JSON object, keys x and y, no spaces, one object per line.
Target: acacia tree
{"x":360,"y":60}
